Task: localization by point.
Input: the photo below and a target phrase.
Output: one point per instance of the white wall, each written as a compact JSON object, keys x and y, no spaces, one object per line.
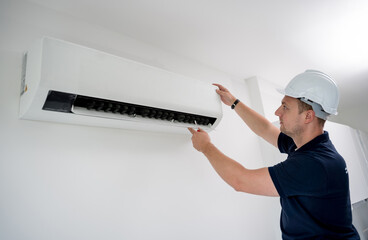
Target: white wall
{"x":265,"y":97}
{"x":76,"y":182}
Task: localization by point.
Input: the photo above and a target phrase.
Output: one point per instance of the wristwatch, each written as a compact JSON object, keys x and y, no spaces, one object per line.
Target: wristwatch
{"x":234,"y":104}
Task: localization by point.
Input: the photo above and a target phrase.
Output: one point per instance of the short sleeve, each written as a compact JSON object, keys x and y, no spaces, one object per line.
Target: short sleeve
{"x":299,"y":175}
{"x":285,"y":143}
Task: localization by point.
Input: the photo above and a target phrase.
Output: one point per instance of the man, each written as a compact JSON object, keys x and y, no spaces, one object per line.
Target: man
{"x":312,"y":182}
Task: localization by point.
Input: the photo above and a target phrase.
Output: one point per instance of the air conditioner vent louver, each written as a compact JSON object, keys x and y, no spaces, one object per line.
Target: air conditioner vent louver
{"x":73,"y":103}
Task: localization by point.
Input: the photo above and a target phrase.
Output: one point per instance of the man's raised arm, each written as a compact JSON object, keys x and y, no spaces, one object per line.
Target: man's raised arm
{"x":255,"y":121}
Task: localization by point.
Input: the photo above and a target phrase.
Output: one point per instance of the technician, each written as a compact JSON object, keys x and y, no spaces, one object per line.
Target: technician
{"x":313,"y":182}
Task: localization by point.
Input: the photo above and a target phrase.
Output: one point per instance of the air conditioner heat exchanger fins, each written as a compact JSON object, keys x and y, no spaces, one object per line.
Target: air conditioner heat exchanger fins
{"x":68,"y":83}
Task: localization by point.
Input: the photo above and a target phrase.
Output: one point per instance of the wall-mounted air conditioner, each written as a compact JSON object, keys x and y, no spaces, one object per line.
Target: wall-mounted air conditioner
{"x":68,"y":83}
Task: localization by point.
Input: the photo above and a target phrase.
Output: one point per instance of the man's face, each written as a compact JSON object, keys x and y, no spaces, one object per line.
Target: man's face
{"x":291,"y":122}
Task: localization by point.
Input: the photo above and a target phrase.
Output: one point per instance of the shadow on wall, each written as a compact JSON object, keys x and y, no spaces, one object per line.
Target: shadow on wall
{"x":360,"y":218}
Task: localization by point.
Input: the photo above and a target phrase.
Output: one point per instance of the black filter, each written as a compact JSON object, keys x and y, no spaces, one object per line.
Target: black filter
{"x":63,"y":102}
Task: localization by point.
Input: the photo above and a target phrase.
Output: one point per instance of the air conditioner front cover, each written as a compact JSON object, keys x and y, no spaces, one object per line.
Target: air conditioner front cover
{"x":68,"y":83}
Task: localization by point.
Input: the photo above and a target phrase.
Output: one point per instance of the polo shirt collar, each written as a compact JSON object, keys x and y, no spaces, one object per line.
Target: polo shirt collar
{"x":311,"y":144}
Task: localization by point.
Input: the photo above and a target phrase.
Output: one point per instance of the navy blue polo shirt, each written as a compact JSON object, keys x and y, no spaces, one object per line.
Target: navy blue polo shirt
{"x":313,"y":185}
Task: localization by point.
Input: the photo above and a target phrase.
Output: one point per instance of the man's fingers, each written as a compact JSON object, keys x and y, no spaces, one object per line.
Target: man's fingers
{"x":219,"y":92}
{"x":222,"y":88}
{"x":191,"y":130}
{"x":194,"y":131}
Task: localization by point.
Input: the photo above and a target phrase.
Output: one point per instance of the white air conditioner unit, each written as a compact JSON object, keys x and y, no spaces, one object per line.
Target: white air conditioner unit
{"x":68,"y":83}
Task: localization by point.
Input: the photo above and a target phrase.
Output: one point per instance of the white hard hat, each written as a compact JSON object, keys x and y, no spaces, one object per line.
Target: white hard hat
{"x":316,"y":89}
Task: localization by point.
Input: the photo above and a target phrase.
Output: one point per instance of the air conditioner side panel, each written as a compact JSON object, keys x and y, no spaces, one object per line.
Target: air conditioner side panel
{"x":33,"y":61}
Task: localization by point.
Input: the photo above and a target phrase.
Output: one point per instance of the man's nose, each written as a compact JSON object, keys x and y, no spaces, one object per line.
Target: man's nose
{"x":277,"y":112}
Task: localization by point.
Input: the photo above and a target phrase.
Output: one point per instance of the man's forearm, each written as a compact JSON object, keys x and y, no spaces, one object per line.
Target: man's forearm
{"x":258,"y":123}
{"x":257,"y":181}
{"x":228,"y":169}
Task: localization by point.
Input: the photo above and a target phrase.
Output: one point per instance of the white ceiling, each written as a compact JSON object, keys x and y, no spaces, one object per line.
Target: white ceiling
{"x":272,"y":39}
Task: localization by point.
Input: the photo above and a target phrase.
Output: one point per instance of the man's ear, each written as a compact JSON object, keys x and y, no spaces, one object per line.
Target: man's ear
{"x":309,"y":116}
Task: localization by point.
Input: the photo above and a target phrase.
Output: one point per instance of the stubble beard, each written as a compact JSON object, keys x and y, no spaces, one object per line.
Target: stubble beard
{"x":296,"y":131}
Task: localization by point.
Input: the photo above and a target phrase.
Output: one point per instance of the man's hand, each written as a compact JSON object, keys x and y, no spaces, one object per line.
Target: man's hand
{"x":256,"y":181}
{"x":226,"y":97}
{"x":200,"y":139}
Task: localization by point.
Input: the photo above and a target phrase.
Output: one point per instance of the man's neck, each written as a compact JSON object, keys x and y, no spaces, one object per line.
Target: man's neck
{"x":306,"y":137}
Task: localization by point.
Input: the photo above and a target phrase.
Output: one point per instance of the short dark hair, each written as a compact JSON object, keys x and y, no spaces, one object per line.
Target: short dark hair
{"x":302,"y":106}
